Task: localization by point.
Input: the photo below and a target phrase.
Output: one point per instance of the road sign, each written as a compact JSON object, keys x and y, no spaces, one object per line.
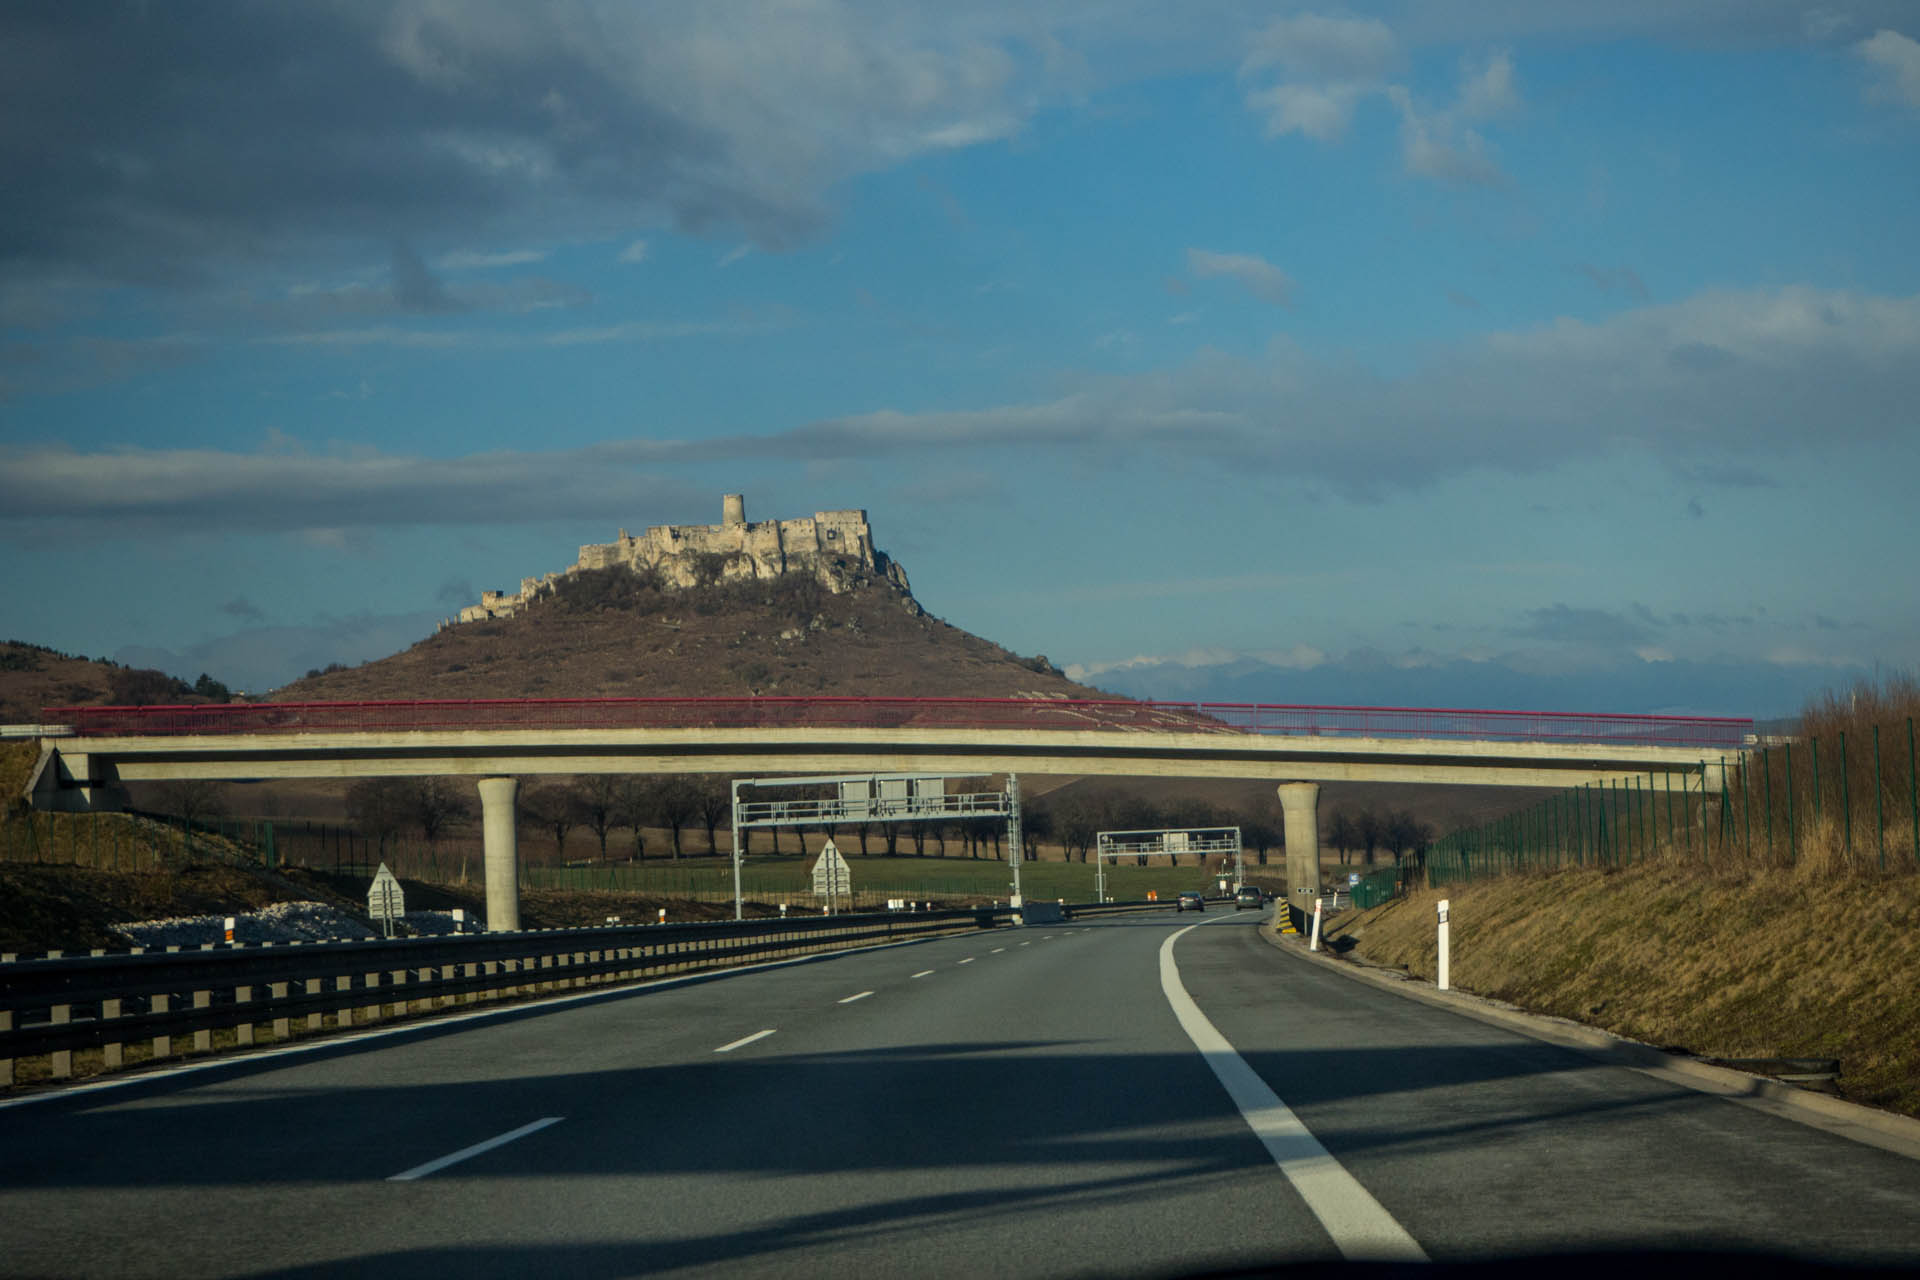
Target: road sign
{"x":386,"y":901}
{"x":832,"y":878}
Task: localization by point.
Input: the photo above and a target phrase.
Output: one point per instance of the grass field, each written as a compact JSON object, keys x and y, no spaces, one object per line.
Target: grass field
{"x":874,"y":879}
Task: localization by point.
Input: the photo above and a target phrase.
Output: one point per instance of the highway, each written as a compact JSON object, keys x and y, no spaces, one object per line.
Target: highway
{"x":1021,"y":1102}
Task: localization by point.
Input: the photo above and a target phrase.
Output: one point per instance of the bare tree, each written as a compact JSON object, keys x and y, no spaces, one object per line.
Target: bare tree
{"x":1372,"y":830}
{"x":192,"y":799}
{"x":596,"y":799}
{"x":713,"y":795}
{"x":1343,"y":833}
{"x":633,"y":808}
{"x":676,"y":803}
{"x":1406,"y":835}
{"x":439,"y":805}
{"x":554,"y":808}
{"x":380,"y":807}
{"x":1259,"y":835}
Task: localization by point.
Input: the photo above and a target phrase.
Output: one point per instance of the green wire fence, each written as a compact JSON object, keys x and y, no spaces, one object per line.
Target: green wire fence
{"x":1774,"y":805}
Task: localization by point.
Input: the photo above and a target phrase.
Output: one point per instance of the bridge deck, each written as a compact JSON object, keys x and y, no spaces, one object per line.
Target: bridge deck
{"x":1377,"y":723}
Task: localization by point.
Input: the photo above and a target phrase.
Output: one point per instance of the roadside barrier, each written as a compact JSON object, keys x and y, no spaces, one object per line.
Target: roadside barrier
{"x":131,"y":1007}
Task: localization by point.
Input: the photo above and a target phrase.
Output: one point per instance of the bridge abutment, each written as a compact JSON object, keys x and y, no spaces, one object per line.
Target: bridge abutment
{"x":1300,"y":807}
{"x":500,"y":839}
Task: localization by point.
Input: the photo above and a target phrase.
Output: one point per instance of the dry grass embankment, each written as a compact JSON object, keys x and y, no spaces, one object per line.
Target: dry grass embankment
{"x":1725,"y":964}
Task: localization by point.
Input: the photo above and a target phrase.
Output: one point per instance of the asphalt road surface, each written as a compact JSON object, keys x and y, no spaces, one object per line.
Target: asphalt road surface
{"x":1144,"y":1096}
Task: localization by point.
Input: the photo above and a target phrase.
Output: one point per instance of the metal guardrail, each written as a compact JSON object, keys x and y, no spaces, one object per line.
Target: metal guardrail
{"x":951,"y":713}
{"x":52,"y":1007}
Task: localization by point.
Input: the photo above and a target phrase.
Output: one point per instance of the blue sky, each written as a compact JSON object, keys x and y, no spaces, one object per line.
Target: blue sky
{"x":1474,"y":353}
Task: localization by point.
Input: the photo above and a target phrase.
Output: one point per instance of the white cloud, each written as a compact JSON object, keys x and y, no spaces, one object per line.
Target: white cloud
{"x":1756,"y":375}
{"x":1320,"y":112}
{"x":635,"y":252}
{"x":733,"y":255}
{"x":1326,"y":65}
{"x":1301,"y":657}
{"x":474,"y":260}
{"x":1255,"y":274}
{"x":1433,"y":145}
{"x":1490,"y":90}
{"x":1312,"y":46}
{"x":1897,"y":60}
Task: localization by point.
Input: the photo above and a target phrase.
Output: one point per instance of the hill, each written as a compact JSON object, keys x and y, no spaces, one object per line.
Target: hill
{"x":619,"y":633}
{"x":33,"y":676}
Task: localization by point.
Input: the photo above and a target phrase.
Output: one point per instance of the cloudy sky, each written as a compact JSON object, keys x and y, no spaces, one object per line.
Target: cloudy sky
{"x":1496,"y":352}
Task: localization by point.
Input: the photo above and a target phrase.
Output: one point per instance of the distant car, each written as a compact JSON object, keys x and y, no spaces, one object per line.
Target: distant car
{"x":1248,"y":896}
{"x":1190,"y":900}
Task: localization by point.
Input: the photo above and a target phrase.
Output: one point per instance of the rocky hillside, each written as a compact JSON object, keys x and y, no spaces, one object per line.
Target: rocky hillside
{"x":33,"y":676}
{"x":617,"y":633}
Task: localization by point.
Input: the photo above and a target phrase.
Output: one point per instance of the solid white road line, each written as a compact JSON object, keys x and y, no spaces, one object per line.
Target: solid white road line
{"x":924,"y":973}
{"x":467,"y":1153}
{"x":745,"y":1040}
{"x":850,"y":999}
{"x":1361,"y":1228}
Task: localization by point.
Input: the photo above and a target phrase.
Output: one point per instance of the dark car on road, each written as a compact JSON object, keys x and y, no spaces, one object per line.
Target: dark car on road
{"x":1190,"y":900}
{"x":1248,"y":896}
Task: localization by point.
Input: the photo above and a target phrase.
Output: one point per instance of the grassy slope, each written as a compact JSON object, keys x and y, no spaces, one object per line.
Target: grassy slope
{"x":1737,"y":965}
{"x":610,"y":634}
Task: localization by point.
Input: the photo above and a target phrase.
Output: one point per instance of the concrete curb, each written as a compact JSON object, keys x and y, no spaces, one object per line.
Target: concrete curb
{"x":1852,"y":1120}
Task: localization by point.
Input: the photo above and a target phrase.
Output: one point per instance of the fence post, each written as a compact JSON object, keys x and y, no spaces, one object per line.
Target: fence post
{"x":1746,"y":809}
{"x":1766,"y":772}
{"x":1913,"y":791}
{"x":1879,"y":806}
{"x":1814,"y":744}
{"x":1793,"y":840}
{"x":1846,"y":797}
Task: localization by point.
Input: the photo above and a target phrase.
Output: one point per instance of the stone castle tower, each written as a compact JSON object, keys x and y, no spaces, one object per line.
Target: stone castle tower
{"x":834,"y":547}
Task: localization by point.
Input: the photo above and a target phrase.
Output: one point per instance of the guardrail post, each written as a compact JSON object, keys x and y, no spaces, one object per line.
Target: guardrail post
{"x":243,"y":1030}
{"x":62,"y":1058}
{"x":6,"y":1064}
{"x":113,"y":1053}
{"x":371,"y":1012}
{"x":203,"y":1038}
{"x":282,"y":1027}
{"x":162,"y":1045}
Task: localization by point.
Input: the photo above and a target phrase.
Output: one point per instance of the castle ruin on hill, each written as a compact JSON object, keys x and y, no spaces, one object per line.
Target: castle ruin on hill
{"x":834,"y":547}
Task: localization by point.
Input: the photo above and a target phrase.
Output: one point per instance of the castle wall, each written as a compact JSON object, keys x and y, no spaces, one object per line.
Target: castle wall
{"x":766,"y":549}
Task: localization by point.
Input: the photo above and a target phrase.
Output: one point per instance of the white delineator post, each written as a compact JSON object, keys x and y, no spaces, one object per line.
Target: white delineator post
{"x":1445,"y":947}
{"x":1313,"y":943}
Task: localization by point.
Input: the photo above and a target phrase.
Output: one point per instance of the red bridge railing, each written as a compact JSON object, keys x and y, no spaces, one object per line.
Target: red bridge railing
{"x":930,"y":713}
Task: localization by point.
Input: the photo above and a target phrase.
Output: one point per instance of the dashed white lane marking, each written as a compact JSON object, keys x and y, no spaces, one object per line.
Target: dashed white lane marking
{"x":745,"y":1040}
{"x":968,"y":960}
{"x":996,"y":951}
{"x":850,"y":999}
{"x":467,"y":1153}
{"x":924,"y":973}
{"x":1027,"y":943}
{"x":1361,"y":1228}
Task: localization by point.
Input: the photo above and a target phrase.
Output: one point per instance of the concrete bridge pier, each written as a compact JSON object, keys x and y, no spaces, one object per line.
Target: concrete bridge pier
{"x":500,"y":840}
{"x":1300,"y":808}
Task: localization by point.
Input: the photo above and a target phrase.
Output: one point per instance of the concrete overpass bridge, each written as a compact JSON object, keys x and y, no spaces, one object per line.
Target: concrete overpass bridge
{"x":87,"y":753}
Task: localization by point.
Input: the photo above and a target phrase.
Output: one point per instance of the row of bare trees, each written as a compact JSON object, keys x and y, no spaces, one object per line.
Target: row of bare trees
{"x":679,"y":804}
{"x":1369,"y":831}
{"x":602,"y":804}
